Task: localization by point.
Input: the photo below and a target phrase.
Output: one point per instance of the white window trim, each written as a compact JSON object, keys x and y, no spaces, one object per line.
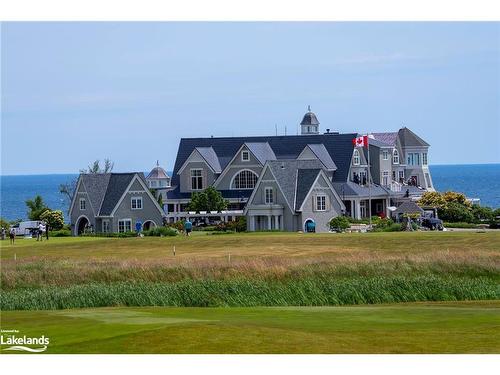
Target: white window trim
{"x":424,"y":159}
{"x":191,"y":178}
{"x":84,"y":203}
{"x":124,"y":226}
{"x":356,"y":155}
{"x":136,"y":199}
{"x":247,"y":153}
{"x":266,"y":189}
{"x":232,"y":185}
{"x":107,"y":222}
{"x":317,"y":201}
{"x":385,"y":155}
{"x":385,"y":174}
{"x":395,"y":157}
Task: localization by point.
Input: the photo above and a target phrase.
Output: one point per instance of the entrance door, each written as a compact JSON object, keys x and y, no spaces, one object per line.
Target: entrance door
{"x":82,"y":224}
{"x":309,"y":226}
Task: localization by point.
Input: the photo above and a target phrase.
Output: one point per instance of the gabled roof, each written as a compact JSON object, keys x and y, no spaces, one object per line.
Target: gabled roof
{"x":409,"y":139}
{"x":118,"y":183}
{"x":322,"y":154}
{"x":409,"y":207}
{"x":338,"y":146}
{"x":105,"y":190}
{"x":388,"y":138}
{"x":95,"y":185}
{"x":305,"y":181}
{"x":210,"y":157}
{"x":261,"y":150}
{"x":286,"y":174}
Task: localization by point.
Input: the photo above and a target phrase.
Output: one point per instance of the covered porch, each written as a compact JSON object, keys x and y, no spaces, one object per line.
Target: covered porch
{"x":359,"y":208}
{"x":265,"y":217}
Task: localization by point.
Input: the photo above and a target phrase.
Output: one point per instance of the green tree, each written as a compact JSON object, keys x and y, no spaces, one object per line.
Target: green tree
{"x":36,"y":207}
{"x":160,"y":200}
{"x":339,"y":223}
{"x":482,"y":214}
{"x":4,"y":223}
{"x":456,"y":212}
{"x":55,"y":219}
{"x":209,"y":199}
{"x":432,"y":199}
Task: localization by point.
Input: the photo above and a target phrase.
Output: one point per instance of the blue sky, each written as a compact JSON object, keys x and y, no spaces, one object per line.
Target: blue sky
{"x":75,"y":92}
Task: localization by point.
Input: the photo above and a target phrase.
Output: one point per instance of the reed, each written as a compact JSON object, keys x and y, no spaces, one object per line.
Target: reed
{"x":313,"y":290}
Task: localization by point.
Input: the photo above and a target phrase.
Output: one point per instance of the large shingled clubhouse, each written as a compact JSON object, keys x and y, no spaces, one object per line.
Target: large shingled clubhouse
{"x":289,"y":183}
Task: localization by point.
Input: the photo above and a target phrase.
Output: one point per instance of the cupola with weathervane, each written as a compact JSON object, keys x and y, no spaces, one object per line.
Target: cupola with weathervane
{"x":310,"y":123}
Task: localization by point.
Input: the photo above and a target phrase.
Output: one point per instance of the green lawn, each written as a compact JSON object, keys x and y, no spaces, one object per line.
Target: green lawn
{"x":456,"y":327}
{"x":290,"y":245}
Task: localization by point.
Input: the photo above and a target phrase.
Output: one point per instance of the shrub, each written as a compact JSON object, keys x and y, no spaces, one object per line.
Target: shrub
{"x":459,"y":225}
{"x":179,"y":225}
{"x":339,"y":224}
{"x":60,"y":233}
{"x":238,"y":225}
{"x":161,"y":231}
{"x":382,"y":223}
{"x":112,"y":235}
{"x":357,"y":221}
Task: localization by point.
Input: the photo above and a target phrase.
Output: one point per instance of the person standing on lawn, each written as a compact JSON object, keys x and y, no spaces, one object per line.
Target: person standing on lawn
{"x":188,"y":226}
{"x":12,"y":235}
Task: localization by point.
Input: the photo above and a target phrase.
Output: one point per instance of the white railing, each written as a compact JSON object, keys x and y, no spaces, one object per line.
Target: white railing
{"x":395,"y":186}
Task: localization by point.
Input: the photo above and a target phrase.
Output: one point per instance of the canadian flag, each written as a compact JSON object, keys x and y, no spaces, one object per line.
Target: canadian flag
{"x":360,"y":141}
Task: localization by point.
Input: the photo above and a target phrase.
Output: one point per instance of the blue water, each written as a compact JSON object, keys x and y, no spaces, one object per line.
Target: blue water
{"x":476,"y":181}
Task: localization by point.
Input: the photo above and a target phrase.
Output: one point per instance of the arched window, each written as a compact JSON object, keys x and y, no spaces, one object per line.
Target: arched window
{"x":395,"y":157}
{"x":245,"y":179}
{"x":356,"y":159}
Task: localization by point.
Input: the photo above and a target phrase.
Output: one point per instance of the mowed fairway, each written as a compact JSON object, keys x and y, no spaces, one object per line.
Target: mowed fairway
{"x":456,"y":327}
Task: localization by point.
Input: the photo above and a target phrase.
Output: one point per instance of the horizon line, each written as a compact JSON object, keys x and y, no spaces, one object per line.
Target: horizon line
{"x":77,"y":173}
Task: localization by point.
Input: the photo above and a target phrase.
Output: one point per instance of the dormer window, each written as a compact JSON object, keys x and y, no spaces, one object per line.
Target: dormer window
{"x":395,"y":157}
{"x":245,"y":155}
{"x":356,"y":158}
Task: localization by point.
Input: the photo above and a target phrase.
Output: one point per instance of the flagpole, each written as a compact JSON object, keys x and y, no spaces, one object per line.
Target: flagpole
{"x":369,"y":183}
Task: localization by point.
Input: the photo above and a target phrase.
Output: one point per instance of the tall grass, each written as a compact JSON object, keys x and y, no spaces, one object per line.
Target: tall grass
{"x":314,"y":290}
{"x":29,"y":273}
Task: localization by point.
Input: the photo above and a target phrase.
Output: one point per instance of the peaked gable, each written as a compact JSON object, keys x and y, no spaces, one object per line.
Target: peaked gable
{"x":118,"y":184}
{"x":202,"y":154}
{"x":305,"y":181}
{"x":261,"y":150}
{"x":409,"y":139}
{"x":320,"y":152}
